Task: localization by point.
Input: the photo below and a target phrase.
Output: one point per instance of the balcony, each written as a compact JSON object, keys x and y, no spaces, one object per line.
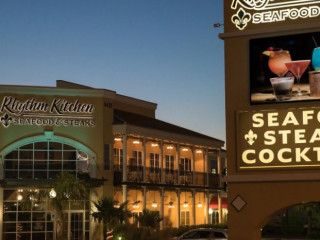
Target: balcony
{"x":170,"y":177}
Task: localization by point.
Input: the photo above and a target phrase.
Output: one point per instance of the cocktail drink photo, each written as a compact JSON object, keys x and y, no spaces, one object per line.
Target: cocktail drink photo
{"x":277,"y":59}
{"x":297,"y":68}
{"x":282,"y":87}
{"x":316,"y":59}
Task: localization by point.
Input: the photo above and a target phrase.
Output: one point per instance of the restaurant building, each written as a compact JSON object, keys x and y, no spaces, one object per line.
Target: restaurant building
{"x":115,"y":143}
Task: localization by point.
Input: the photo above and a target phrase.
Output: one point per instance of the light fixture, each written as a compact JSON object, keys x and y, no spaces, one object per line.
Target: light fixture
{"x":52,"y":193}
{"x":171,"y":205}
{"x":185,"y":149}
{"x":154,"y":144}
{"x":136,"y":204}
{"x":19,"y":197}
{"x":199,"y":151}
{"x":154,"y":204}
{"x":170,"y":147}
{"x":117,"y":139}
{"x":185,"y":204}
{"x":136,"y":142}
{"x":210,"y":211}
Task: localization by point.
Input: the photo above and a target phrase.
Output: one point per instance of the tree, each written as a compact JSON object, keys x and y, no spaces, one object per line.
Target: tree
{"x":150,"y":219}
{"x":66,"y":187}
{"x":110,"y":216}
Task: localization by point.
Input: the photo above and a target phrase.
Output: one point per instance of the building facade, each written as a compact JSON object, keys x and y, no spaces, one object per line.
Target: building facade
{"x":115,"y":143}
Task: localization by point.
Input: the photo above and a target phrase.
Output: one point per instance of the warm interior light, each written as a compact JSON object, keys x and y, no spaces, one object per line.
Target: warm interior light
{"x":169,"y":147}
{"x":117,"y":139}
{"x":185,"y":204}
{"x":136,"y":142}
{"x":199,"y":205}
{"x":116,"y":206}
{"x":136,"y":204}
{"x":154,"y":144}
{"x":210,"y":211}
{"x":154,"y":204}
{"x":52,"y":193}
{"x":185,"y":149}
{"x":199,"y":151}
{"x":19,"y":197}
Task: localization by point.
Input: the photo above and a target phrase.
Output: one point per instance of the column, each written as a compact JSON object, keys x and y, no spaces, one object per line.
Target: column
{"x":194,"y":206}
{"x":178,"y":162}
{"x":162,"y":208}
{"x":206,"y":166}
{"x":124,"y":193}
{"x":125,"y":158}
{"x":207,"y":208}
{"x":220,"y":206}
{"x":161,"y":162}
{"x":178,"y":208}
{"x":144,"y":200}
{"x":144,"y":158}
{"x":193,"y":165}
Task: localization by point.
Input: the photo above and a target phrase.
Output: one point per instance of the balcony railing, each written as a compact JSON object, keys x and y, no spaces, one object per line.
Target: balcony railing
{"x":153,"y":175}
{"x":200,"y":179}
{"x":171,"y":176}
{"x":186,"y":178}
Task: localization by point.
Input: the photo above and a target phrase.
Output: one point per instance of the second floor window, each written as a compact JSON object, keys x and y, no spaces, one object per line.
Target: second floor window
{"x":185,"y":164}
{"x":169,"y":162}
{"x":154,"y":160}
{"x":137,"y":159}
{"x":118,"y":157}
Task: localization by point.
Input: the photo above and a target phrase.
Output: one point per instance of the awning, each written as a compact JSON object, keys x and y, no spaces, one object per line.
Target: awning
{"x":214,"y":203}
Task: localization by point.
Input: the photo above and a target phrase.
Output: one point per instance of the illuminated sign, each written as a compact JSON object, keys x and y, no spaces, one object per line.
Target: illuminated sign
{"x":267,"y":11}
{"x":58,"y":112}
{"x":279,"y":139}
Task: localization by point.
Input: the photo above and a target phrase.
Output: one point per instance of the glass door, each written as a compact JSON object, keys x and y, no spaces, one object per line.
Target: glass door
{"x":74,"y":226}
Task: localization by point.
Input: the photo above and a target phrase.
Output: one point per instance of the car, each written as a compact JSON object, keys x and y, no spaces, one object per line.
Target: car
{"x":204,"y":234}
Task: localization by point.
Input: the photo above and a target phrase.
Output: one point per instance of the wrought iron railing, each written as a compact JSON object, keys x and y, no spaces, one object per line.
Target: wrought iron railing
{"x":153,"y":175}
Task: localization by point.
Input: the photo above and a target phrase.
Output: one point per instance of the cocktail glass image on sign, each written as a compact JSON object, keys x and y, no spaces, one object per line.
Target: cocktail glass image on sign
{"x":298,"y":68}
{"x":316,"y":58}
{"x":282,"y":87}
{"x":277,"y":57}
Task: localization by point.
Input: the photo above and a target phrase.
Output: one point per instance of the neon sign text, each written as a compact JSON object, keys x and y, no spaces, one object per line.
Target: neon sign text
{"x":267,"y":11}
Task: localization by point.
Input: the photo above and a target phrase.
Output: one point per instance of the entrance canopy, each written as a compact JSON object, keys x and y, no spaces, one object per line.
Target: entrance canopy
{"x":214,"y":203}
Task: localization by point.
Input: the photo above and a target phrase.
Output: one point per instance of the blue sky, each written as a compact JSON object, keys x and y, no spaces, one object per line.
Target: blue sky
{"x":162,"y":51}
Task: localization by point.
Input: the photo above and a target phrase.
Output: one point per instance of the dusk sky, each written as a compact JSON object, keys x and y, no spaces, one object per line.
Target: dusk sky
{"x":162,"y":51}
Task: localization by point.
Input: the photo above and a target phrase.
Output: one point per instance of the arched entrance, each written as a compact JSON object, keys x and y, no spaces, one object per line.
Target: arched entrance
{"x":298,"y":221}
{"x":262,"y":201}
{"x":30,"y":164}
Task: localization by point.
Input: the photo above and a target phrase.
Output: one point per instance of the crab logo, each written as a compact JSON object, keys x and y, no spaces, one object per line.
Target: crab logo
{"x":6,"y":120}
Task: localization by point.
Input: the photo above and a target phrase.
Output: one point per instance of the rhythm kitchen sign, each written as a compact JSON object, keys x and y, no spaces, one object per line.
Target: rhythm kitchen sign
{"x":58,"y":112}
{"x":279,"y":139}
{"x":268,"y":11}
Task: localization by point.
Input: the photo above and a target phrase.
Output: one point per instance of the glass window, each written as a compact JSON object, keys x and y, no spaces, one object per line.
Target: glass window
{"x":184,"y":218}
{"x":36,"y":222}
{"x":43,"y":160}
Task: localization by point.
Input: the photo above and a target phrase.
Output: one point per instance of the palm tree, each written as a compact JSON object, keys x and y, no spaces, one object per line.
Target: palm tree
{"x":110,"y":215}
